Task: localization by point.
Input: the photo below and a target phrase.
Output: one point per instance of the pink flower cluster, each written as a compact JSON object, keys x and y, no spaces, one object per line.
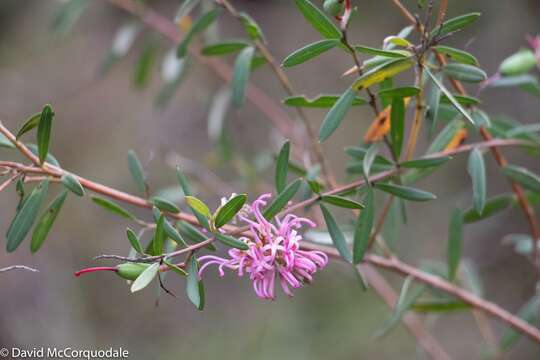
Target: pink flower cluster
{"x":274,"y":253}
{"x":534,"y":42}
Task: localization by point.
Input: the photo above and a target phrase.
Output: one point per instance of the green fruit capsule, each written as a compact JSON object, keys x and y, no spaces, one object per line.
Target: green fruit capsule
{"x":333,"y":7}
{"x":130,"y":271}
{"x":520,"y":63}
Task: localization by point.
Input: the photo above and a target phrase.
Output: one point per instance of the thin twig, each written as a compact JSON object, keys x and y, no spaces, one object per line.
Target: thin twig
{"x":18,"y":267}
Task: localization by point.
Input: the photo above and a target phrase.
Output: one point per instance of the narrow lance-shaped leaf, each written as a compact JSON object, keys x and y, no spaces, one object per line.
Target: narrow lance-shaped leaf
{"x":364,"y":225}
{"x":321,"y":101}
{"x":253,"y":29}
{"x":159,"y":236}
{"x":26,"y":216}
{"x":44,"y":132}
{"x":369,"y":159}
{"x":406,"y":193}
{"x":492,"y":207}
{"x":165,"y":205}
{"x":336,"y":114}
{"x":134,"y":241}
{"x":282,"y":165}
{"x":137,"y":172}
{"x":336,"y":234}
{"x":199,"y":26}
{"x":454,"y":24}
{"x":477,"y":172}
{"x":72,"y":184}
{"x":341,"y":201}
{"x":242,"y":69}
{"x":231,"y":241}
{"x":228,"y":211}
{"x":465,"y":72}
{"x":427,"y":162}
{"x":145,"y":278}
{"x":282,"y":199}
{"x":457,"y":55}
{"x":318,"y":19}
{"x":112,"y":207}
{"x":382,"y":72}
{"x":198,"y":206}
{"x":46,"y":222}
{"x":455,"y":240}
{"x":309,"y":52}
{"x":30,"y":124}
{"x":450,"y":97}
{"x":397,"y":128}
{"x":194,"y":286}
{"x":224,"y":47}
{"x":523,"y":176}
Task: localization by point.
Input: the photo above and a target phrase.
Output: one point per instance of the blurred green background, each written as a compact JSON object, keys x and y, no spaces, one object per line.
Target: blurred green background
{"x":100,"y":117}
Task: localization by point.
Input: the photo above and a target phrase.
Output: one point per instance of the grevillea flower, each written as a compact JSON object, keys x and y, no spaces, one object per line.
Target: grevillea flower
{"x":274,"y":254}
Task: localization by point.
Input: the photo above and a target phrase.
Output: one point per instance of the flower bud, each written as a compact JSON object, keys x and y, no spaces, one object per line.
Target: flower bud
{"x":520,"y":63}
{"x":130,"y":271}
{"x":333,"y":7}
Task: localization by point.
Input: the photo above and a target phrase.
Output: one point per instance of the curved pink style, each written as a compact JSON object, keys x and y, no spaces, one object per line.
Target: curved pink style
{"x":274,"y":253}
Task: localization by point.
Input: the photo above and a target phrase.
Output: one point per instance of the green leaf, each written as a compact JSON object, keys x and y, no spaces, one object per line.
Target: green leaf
{"x":26,"y":216}
{"x":384,"y":53}
{"x":224,"y":47}
{"x":523,"y":176}
{"x":145,"y":278}
{"x":454,"y":24}
{"x":193,"y":234}
{"x":231,"y":241}
{"x":134,"y":241}
{"x":184,"y":184}
{"x":528,"y":313}
{"x":281,"y":200}
{"x":439,"y":306}
{"x":228,"y":211}
{"x":336,"y":114}
{"x":433,"y":102}
{"x":194,"y":286}
{"x":309,"y":52}
{"x":31,"y":123}
{"x":242,"y":68}
{"x":428,"y":162}
{"x":400,"y":92}
{"x":175,"y":268}
{"x":382,"y":72}
{"x":461,"y":99}
{"x":44,"y":132}
{"x":5,"y":143}
{"x":198,"y":206}
{"x":112,"y":207}
{"x":492,"y":207}
{"x":72,"y":184}
{"x":318,"y":19}
{"x":455,"y":241}
{"x":360,"y":153}
{"x":336,"y":234}
{"x":173,"y":233}
{"x":146,"y":60}
{"x":341,"y":201}
{"x":321,"y":101}
{"x":465,"y":72}
{"x":282,"y":165}
{"x":397,"y":127}
{"x":136,"y":170}
{"x":165,"y":205}
{"x":199,"y":26}
{"x":445,"y":136}
{"x":519,"y":63}
{"x":363,"y":228}
{"x":251,"y":27}
{"x":477,"y":172}
{"x":159,"y":236}
{"x":369,"y":159}
{"x":450,"y":97}
{"x":42,"y":228}
{"x":406,"y":193}
{"x":456,"y":55}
